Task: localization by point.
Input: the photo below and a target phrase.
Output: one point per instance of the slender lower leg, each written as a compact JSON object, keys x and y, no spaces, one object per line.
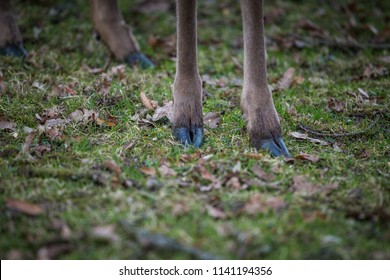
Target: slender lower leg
{"x":256,"y":101}
{"x":255,"y":70}
{"x":186,"y":63}
{"x":187,"y":88}
{"x":10,"y":37}
{"x":115,"y":33}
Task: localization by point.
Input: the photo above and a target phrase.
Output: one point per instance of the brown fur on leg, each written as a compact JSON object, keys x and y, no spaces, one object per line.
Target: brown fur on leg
{"x":9,"y":31}
{"x":187,"y":88}
{"x":115,"y":33}
{"x":256,"y":101}
{"x":261,"y":116}
{"x":187,"y":102}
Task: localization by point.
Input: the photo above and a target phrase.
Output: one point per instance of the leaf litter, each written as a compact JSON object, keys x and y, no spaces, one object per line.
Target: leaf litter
{"x":303,"y":187}
{"x":336,"y":105}
{"x":24,"y":207}
{"x":304,"y":136}
{"x":212,"y":120}
{"x":7,"y":125}
{"x":235,"y":179}
{"x":258,"y":203}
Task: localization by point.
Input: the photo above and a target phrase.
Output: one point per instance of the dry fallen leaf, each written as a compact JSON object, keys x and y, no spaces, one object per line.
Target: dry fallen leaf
{"x":164,"y":111}
{"x":205,"y":174}
{"x":148,"y":170}
{"x":82,"y":116}
{"x":304,"y":136}
{"x":53,"y":133}
{"x":25,"y":152}
{"x":363,"y":93}
{"x":298,"y":80}
{"x":129,"y":145}
{"x":117,"y":70}
{"x":336,"y":105}
{"x":372,"y":72}
{"x":76,"y":116}
{"x":105,"y":232}
{"x":69,"y":90}
{"x":6,"y":125}
{"x":166,"y":171}
{"x":234,"y":183}
{"x":24,"y":207}
{"x":90,"y":70}
{"x":55,"y":123}
{"x":103,"y":84}
{"x":41,"y":149}
{"x":292,"y":111}
{"x":63,"y":228}
{"x":55,"y":112}
{"x":112,"y":166}
{"x":303,"y":187}
{"x":286,"y":80}
{"x":111,"y":121}
{"x":151,"y":105}
{"x":212,"y":120}
{"x":261,"y":174}
{"x":308,"y":157}
{"x":215,"y":212}
{"x":38,"y":85}
{"x":100,"y":121}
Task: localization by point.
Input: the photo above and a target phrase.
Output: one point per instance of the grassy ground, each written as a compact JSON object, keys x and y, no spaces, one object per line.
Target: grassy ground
{"x":111,"y":183}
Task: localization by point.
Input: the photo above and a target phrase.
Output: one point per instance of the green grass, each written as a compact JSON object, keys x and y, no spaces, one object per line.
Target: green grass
{"x":350,"y":222}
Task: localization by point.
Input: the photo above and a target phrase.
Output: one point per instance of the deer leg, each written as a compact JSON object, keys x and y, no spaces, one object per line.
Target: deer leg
{"x":116,"y":34}
{"x":187,"y":87}
{"x":10,"y":38}
{"x":256,"y":100}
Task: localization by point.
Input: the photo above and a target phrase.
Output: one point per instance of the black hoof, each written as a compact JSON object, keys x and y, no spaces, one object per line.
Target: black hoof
{"x":138,"y":58}
{"x":14,"y":50}
{"x":275,"y":147}
{"x":193,"y":137}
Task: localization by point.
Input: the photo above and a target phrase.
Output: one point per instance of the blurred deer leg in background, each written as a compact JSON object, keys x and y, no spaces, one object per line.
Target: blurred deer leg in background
{"x":115,"y":33}
{"x":10,"y":38}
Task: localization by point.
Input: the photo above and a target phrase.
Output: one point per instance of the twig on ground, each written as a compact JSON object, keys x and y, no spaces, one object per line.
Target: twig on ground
{"x":317,"y":133}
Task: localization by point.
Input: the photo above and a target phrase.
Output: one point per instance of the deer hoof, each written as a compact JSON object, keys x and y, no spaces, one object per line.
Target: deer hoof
{"x":186,"y":136}
{"x":13,"y":50}
{"x":275,"y":147}
{"x":137,"y":58}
